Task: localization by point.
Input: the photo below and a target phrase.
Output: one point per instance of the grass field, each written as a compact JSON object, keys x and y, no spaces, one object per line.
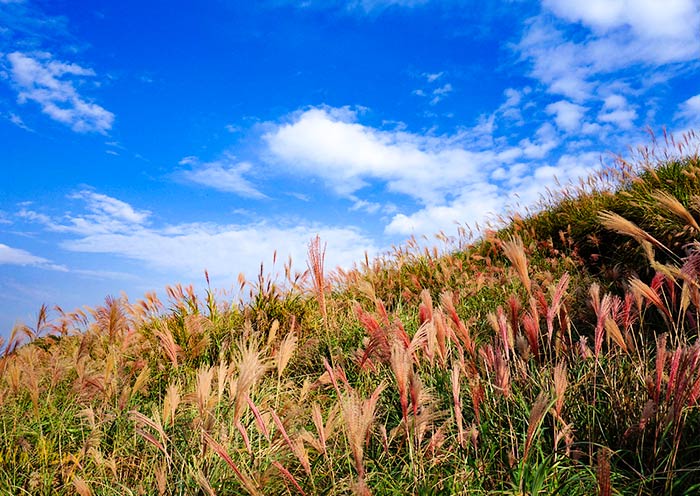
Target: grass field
{"x":556,"y":353}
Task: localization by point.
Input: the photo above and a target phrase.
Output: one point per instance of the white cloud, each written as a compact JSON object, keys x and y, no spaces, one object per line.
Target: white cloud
{"x":436,"y":94}
{"x":616,"y":110}
{"x":568,"y":169}
{"x":523,"y":187}
{"x":689,"y":110}
{"x":364,"y":205}
{"x":472,"y":206}
{"x":328,"y":143}
{"x":224,"y":175}
{"x":360,"y":6}
{"x":51,"y":83}
{"x":17,"y":256}
{"x":105,"y":274}
{"x":555,"y":61}
{"x":443,"y":90}
{"x":512,"y":107}
{"x":513,"y":98}
{"x":224,"y":250}
{"x":300,"y":196}
{"x":102,"y":206}
{"x":621,"y":34}
{"x":440,"y":93}
{"x":546,"y":141}
{"x":432,"y":77}
{"x":17,"y":121}
{"x":374,"y":5}
{"x":567,"y":115}
{"x":459,"y":178}
{"x":103,"y":214}
{"x":668,"y":21}
{"x":186,"y":250}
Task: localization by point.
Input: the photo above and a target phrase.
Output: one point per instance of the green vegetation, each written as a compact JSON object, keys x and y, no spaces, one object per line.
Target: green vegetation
{"x":557,"y":354}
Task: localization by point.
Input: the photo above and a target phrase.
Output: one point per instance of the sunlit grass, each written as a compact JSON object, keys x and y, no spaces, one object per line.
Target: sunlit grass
{"x":557,"y":353}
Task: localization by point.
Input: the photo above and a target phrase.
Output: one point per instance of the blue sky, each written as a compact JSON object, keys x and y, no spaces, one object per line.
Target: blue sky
{"x":143,"y":142}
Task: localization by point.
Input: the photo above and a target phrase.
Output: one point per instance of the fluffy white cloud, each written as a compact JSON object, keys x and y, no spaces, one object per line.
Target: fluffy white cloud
{"x":669,"y":21}
{"x":224,"y":175}
{"x":473,"y":206}
{"x":330,"y":144}
{"x":557,"y":62}
{"x":516,"y":101}
{"x":616,"y":110}
{"x":522,"y":186}
{"x":460,"y":178}
{"x":567,"y":115}
{"x":17,"y":256}
{"x":50,"y":83}
{"x":546,"y":140}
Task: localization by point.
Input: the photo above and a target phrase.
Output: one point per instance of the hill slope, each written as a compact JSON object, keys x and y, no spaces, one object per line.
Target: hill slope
{"x":557,"y":354}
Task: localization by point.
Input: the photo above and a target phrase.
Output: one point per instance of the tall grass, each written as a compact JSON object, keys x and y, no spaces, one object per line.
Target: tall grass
{"x":557,"y":354}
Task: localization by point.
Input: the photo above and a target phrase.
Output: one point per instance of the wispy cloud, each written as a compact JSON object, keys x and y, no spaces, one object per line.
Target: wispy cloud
{"x":362,"y":6}
{"x":589,"y":55}
{"x":689,"y":111}
{"x":17,"y":256}
{"x":17,"y":121}
{"x":618,"y":34}
{"x":365,"y":206}
{"x":107,"y":225}
{"x":102,"y":214}
{"x":432,"y":91}
{"x":369,"y":5}
{"x":440,"y":93}
{"x":225,"y":174}
{"x":51,"y":83}
{"x":432,"y":77}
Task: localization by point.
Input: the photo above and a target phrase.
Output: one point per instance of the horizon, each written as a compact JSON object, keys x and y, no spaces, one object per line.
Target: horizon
{"x":146,"y":145}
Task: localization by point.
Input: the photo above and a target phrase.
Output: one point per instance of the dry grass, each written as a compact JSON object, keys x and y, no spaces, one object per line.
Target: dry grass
{"x":515,"y":251}
{"x":551,"y":371}
{"x":317,"y":256}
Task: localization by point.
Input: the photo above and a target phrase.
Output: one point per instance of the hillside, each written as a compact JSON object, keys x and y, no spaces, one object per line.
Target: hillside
{"x":556,"y":354}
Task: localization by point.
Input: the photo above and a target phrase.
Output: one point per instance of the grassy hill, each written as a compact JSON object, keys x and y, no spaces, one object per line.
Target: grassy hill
{"x":556,"y":354}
